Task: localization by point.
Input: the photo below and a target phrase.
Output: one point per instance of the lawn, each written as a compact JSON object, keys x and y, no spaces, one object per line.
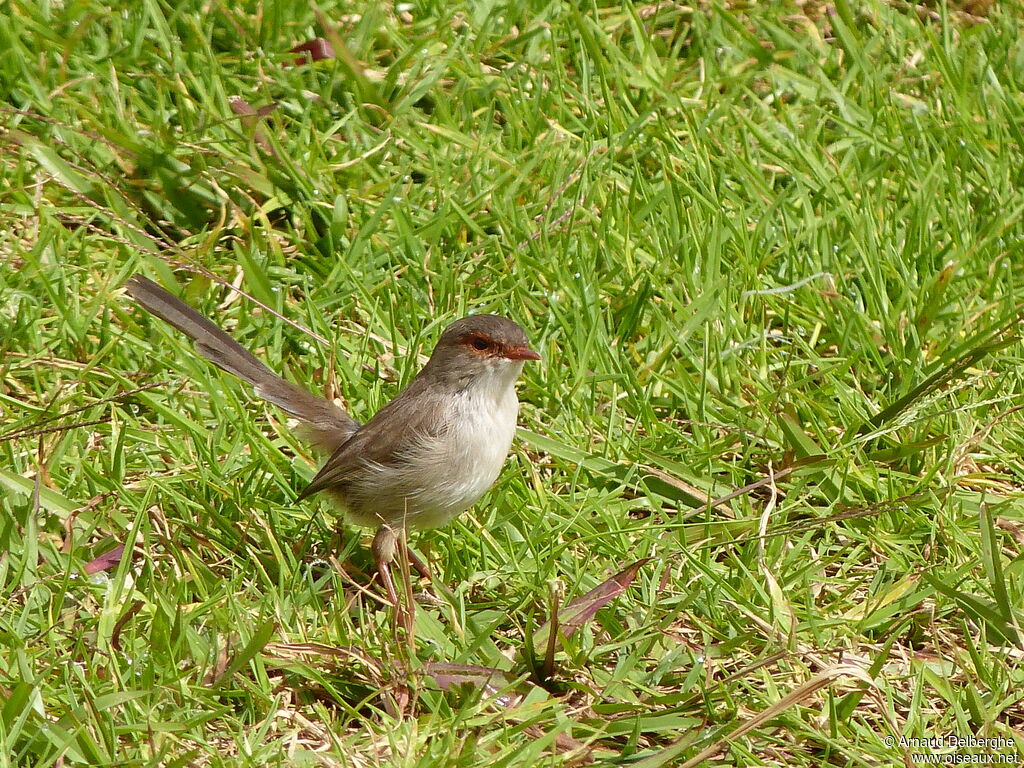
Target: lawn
{"x":768,"y":478}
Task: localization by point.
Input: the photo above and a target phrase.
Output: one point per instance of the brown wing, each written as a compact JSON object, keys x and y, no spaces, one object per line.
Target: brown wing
{"x":383,"y":438}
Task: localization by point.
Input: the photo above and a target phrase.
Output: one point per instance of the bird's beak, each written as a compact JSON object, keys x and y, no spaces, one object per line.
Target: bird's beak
{"x":520,"y":353}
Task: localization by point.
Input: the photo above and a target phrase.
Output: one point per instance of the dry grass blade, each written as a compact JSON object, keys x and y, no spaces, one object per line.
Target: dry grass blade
{"x":350,"y":657}
{"x":797,"y":696}
{"x":38,"y":428}
{"x":488,"y":679}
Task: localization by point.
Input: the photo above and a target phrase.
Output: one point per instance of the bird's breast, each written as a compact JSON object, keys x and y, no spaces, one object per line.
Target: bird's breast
{"x":469,"y":455}
{"x":444,"y":471}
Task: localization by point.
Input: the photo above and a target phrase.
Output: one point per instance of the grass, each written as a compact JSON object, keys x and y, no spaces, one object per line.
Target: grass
{"x":772,"y":257}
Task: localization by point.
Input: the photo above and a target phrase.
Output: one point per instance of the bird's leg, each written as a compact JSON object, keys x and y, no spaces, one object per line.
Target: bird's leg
{"x":419,"y":564}
{"x":385,"y":544}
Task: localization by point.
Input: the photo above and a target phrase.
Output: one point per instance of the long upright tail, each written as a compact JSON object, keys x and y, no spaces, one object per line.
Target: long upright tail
{"x":327,"y":425}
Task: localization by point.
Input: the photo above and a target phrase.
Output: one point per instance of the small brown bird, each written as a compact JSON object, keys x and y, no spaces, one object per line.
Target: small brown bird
{"x":426,"y":456}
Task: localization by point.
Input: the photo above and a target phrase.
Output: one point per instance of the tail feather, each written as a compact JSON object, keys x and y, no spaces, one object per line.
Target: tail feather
{"x":326,"y":425}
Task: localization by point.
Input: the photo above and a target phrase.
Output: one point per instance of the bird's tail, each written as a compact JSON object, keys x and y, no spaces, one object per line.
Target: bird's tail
{"x":327,"y":425}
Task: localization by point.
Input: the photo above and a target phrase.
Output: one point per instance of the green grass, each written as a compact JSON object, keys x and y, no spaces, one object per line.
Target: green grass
{"x":776,"y":246}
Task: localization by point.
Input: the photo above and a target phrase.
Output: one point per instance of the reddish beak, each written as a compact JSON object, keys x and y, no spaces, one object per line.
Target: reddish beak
{"x":520,"y":353}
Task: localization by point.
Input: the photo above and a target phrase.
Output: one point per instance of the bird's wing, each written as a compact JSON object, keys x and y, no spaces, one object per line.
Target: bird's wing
{"x":386,"y":440}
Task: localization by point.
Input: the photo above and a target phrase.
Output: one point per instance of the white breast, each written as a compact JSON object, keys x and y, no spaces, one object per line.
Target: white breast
{"x":482,"y":423}
{"x":446,"y":472}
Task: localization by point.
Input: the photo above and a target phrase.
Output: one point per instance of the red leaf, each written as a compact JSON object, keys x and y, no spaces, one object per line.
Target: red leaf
{"x":318,"y":49}
{"x":105,"y":562}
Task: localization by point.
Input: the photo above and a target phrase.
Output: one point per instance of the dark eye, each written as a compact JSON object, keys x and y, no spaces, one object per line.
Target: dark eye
{"x":480,"y":343}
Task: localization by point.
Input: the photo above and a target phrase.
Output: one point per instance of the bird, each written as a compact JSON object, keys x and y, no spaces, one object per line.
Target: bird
{"x":425,"y":457}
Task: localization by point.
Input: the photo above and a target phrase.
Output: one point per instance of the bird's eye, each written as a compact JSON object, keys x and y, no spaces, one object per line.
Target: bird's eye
{"x":480,"y":343}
